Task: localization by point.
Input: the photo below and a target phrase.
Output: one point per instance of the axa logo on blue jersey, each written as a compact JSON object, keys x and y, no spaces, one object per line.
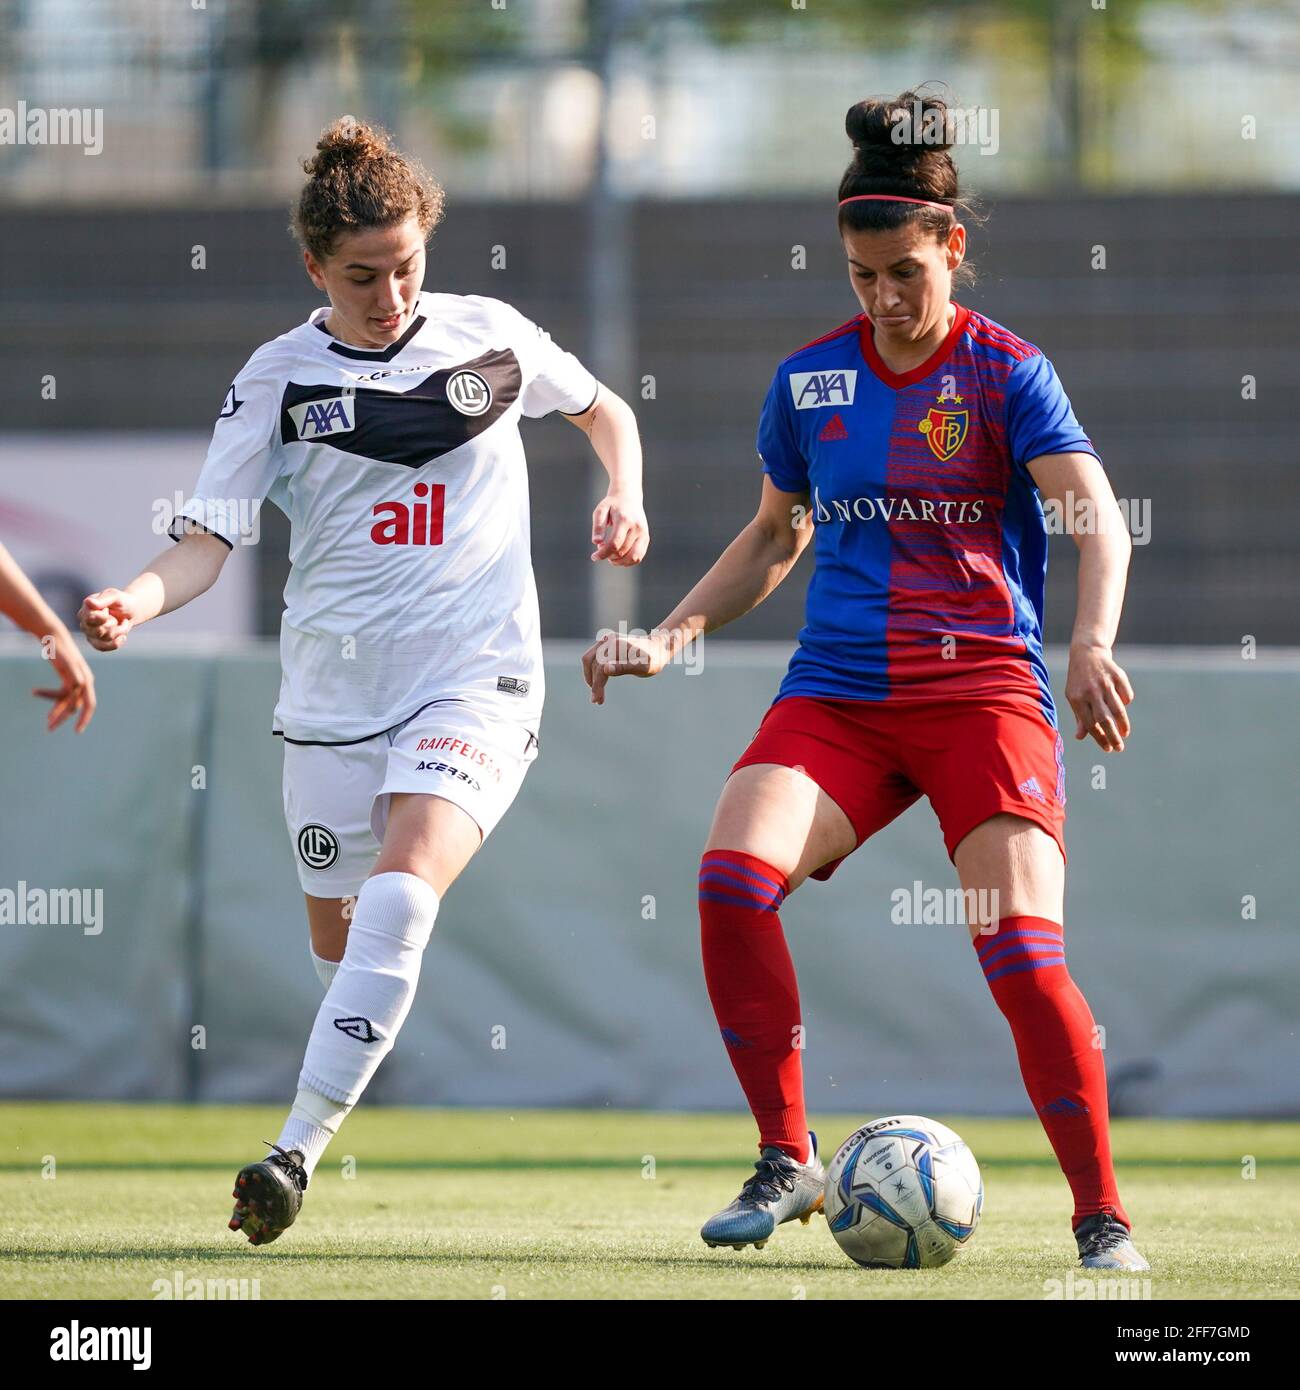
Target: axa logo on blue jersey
{"x":312,"y":419}
{"x":812,"y":390}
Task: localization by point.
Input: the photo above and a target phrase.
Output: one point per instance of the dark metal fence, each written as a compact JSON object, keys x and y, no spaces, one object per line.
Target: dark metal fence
{"x":1197,"y":295}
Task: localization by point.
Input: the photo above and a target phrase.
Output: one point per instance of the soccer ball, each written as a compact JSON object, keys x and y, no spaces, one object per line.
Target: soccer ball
{"x":903,"y":1193}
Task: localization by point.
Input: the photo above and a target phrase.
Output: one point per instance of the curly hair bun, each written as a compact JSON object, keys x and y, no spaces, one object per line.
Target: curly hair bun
{"x":347,"y":142}
{"x":357,"y":179}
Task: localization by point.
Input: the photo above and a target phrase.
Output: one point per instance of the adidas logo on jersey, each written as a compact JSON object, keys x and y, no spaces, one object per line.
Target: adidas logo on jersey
{"x":314,"y":419}
{"x":833,"y":429}
{"x":417,"y":524}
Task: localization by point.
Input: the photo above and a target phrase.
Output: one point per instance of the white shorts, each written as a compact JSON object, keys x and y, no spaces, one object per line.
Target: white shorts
{"x":336,"y":796}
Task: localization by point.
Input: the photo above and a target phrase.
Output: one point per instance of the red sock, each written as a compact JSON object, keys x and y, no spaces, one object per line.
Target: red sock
{"x":1064,"y":1072}
{"x":751,"y":982}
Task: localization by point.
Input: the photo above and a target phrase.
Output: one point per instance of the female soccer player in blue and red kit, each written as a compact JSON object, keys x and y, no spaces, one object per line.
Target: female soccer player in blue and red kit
{"x":914,"y":444}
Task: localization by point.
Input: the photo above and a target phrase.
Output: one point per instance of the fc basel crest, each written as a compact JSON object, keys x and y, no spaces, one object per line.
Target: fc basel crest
{"x":945,"y":431}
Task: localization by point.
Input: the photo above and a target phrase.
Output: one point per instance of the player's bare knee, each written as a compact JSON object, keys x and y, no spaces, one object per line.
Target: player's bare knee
{"x":327,"y":922}
{"x":1013,"y":866}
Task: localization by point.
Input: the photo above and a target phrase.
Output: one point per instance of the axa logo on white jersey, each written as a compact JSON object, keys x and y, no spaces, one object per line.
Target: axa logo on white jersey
{"x":315,"y":419}
{"x":945,"y":512}
{"x":812,"y":390}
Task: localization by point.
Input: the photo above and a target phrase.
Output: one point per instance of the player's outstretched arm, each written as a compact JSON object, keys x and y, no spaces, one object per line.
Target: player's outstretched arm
{"x":21,"y":601}
{"x":745,"y":573}
{"x":619,"y":530}
{"x":1097,"y":688}
{"x":172,"y":579}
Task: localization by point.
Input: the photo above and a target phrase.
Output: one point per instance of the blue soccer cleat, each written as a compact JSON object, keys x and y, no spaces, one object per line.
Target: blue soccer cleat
{"x":779,"y":1191}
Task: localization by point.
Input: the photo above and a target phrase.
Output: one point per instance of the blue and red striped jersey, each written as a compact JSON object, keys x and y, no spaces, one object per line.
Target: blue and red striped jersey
{"x":930,"y":544}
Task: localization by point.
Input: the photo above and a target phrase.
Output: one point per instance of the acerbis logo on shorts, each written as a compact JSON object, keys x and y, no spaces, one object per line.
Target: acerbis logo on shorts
{"x":469,"y":392}
{"x":318,"y":847}
{"x":452,"y":771}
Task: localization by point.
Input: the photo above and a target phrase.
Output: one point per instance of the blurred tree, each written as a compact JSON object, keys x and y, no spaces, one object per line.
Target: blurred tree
{"x":390,"y":51}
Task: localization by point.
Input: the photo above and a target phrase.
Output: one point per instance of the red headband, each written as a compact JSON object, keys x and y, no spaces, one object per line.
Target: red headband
{"x":890,"y":198}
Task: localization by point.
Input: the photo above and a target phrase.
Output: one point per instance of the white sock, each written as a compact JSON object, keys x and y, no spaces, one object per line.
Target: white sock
{"x":366,"y":1005}
{"x":312,"y":1123}
{"x":326,"y":969}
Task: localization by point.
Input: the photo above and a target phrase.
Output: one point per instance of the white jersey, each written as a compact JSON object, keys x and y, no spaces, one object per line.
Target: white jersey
{"x":402,"y":473}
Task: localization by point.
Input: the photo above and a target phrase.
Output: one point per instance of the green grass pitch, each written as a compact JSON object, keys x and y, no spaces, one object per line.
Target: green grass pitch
{"x":102,"y":1201}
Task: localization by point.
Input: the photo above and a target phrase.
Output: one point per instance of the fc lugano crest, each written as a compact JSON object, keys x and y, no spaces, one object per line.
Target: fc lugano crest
{"x":469,"y":392}
{"x":318,"y":846}
{"x":945,"y":431}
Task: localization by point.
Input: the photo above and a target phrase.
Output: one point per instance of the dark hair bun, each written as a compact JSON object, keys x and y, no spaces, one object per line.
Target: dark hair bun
{"x":906,"y":127}
{"x":900,"y":146}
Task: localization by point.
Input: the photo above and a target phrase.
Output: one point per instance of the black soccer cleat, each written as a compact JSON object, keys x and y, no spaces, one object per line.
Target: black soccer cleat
{"x":268,"y":1195}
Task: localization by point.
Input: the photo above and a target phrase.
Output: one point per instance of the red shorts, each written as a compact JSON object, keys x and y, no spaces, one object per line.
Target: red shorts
{"x":972,"y":759}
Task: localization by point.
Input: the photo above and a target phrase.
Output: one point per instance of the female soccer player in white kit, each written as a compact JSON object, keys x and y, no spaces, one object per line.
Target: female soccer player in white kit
{"x":386,"y":428}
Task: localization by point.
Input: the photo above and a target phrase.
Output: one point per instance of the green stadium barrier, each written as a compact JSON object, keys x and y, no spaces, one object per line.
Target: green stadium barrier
{"x":564,"y":968}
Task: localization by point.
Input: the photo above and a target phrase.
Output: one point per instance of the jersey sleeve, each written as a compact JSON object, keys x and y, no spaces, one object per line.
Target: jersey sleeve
{"x":778,"y":447}
{"x":242,"y":460}
{"x":553,"y":379}
{"x":1039,"y":417}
